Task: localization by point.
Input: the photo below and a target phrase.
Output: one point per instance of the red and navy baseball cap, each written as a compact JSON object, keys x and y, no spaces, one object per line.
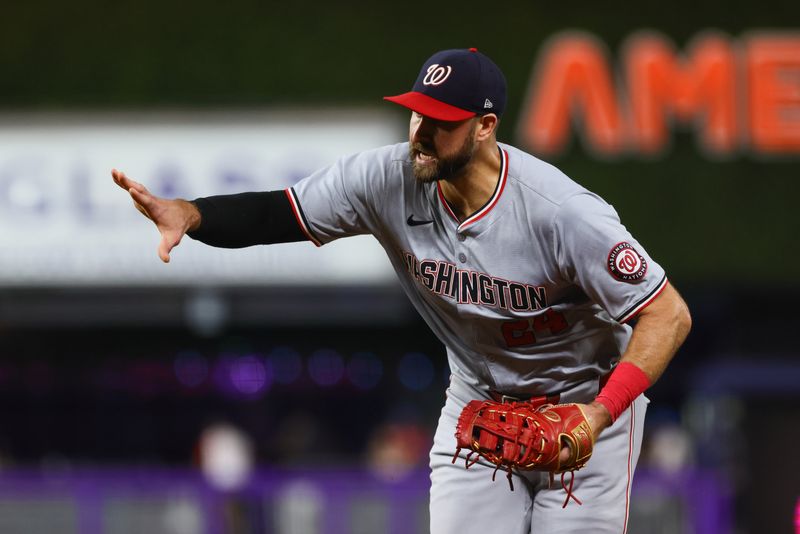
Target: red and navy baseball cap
{"x":454,"y":85}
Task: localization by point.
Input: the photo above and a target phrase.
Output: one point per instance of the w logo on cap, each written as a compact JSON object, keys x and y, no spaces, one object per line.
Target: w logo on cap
{"x":455,"y":85}
{"x":437,"y":74}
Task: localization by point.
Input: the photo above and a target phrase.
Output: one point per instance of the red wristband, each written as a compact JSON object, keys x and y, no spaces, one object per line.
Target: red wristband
{"x":625,"y":384}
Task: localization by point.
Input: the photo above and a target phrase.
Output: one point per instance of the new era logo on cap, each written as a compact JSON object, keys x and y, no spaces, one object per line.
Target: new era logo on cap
{"x":454,"y":85}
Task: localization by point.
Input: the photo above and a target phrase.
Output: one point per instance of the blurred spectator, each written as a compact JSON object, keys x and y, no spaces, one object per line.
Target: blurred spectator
{"x":670,"y":449}
{"x":226,"y":456}
{"x":395,"y":449}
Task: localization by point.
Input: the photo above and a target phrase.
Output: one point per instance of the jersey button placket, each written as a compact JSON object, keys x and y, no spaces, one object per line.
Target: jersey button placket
{"x":459,"y":246}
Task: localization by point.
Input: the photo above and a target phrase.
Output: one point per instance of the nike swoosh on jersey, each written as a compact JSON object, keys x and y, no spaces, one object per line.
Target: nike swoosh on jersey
{"x":414,"y":222}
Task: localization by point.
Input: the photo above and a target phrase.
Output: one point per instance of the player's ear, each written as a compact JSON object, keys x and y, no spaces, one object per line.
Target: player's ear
{"x":487,"y":124}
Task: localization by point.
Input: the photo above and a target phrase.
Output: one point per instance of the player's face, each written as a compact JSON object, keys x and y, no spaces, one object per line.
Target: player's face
{"x":440,"y":150}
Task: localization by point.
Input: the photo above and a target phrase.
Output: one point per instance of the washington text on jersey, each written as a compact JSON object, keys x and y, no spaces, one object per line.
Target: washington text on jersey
{"x":470,"y":287}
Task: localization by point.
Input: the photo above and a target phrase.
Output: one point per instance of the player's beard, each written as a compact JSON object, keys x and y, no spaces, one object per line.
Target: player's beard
{"x":446,"y":167}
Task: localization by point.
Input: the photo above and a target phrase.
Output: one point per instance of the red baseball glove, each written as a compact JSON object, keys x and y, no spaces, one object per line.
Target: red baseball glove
{"x":523,"y":436}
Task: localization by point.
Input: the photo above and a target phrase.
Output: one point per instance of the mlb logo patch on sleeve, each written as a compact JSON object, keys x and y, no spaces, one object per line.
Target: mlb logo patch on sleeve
{"x":625,"y":264}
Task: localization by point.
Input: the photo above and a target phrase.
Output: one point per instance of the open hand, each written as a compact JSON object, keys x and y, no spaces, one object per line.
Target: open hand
{"x":173,"y":218}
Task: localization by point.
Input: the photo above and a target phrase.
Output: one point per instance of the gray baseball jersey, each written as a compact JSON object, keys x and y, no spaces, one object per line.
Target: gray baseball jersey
{"x":529,"y":294}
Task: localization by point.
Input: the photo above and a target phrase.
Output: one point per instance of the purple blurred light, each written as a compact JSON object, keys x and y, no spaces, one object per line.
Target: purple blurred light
{"x":249,"y":375}
{"x":325,"y":367}
{"x":415,"y":371}
{"x":364,"y":370}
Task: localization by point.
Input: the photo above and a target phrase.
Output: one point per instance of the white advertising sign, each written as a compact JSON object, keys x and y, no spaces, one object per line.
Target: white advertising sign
{"x":64,"y":222}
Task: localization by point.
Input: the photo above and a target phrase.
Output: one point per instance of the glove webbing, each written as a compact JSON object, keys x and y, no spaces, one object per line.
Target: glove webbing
{"x":567,"y":489}
{"x":468,"y":464}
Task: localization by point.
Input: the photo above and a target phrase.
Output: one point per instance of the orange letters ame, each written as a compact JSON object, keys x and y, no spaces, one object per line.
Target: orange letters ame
{"x":573,"y":86}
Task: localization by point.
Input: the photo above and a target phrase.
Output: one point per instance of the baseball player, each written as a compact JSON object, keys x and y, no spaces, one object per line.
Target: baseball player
{"x":529,"y":280}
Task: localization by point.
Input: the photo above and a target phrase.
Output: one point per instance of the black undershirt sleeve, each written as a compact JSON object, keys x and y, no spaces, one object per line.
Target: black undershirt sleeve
{"x":246,"y":219}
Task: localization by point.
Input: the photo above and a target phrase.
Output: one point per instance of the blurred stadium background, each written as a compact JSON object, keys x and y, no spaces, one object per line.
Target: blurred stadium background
{"x":293,"y":390}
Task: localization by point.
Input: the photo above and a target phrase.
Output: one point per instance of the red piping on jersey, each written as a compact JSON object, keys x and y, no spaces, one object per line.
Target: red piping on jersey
{"x":296,"y":210}
{"x":444,"y":202}
{"x":492,"y":202}
{"x":645,"y":304}
{"x":630,"y":456}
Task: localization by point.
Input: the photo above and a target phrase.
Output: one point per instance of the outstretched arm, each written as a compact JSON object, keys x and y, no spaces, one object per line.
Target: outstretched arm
{"x":173,"y":218}
{"x":228,"y":221}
